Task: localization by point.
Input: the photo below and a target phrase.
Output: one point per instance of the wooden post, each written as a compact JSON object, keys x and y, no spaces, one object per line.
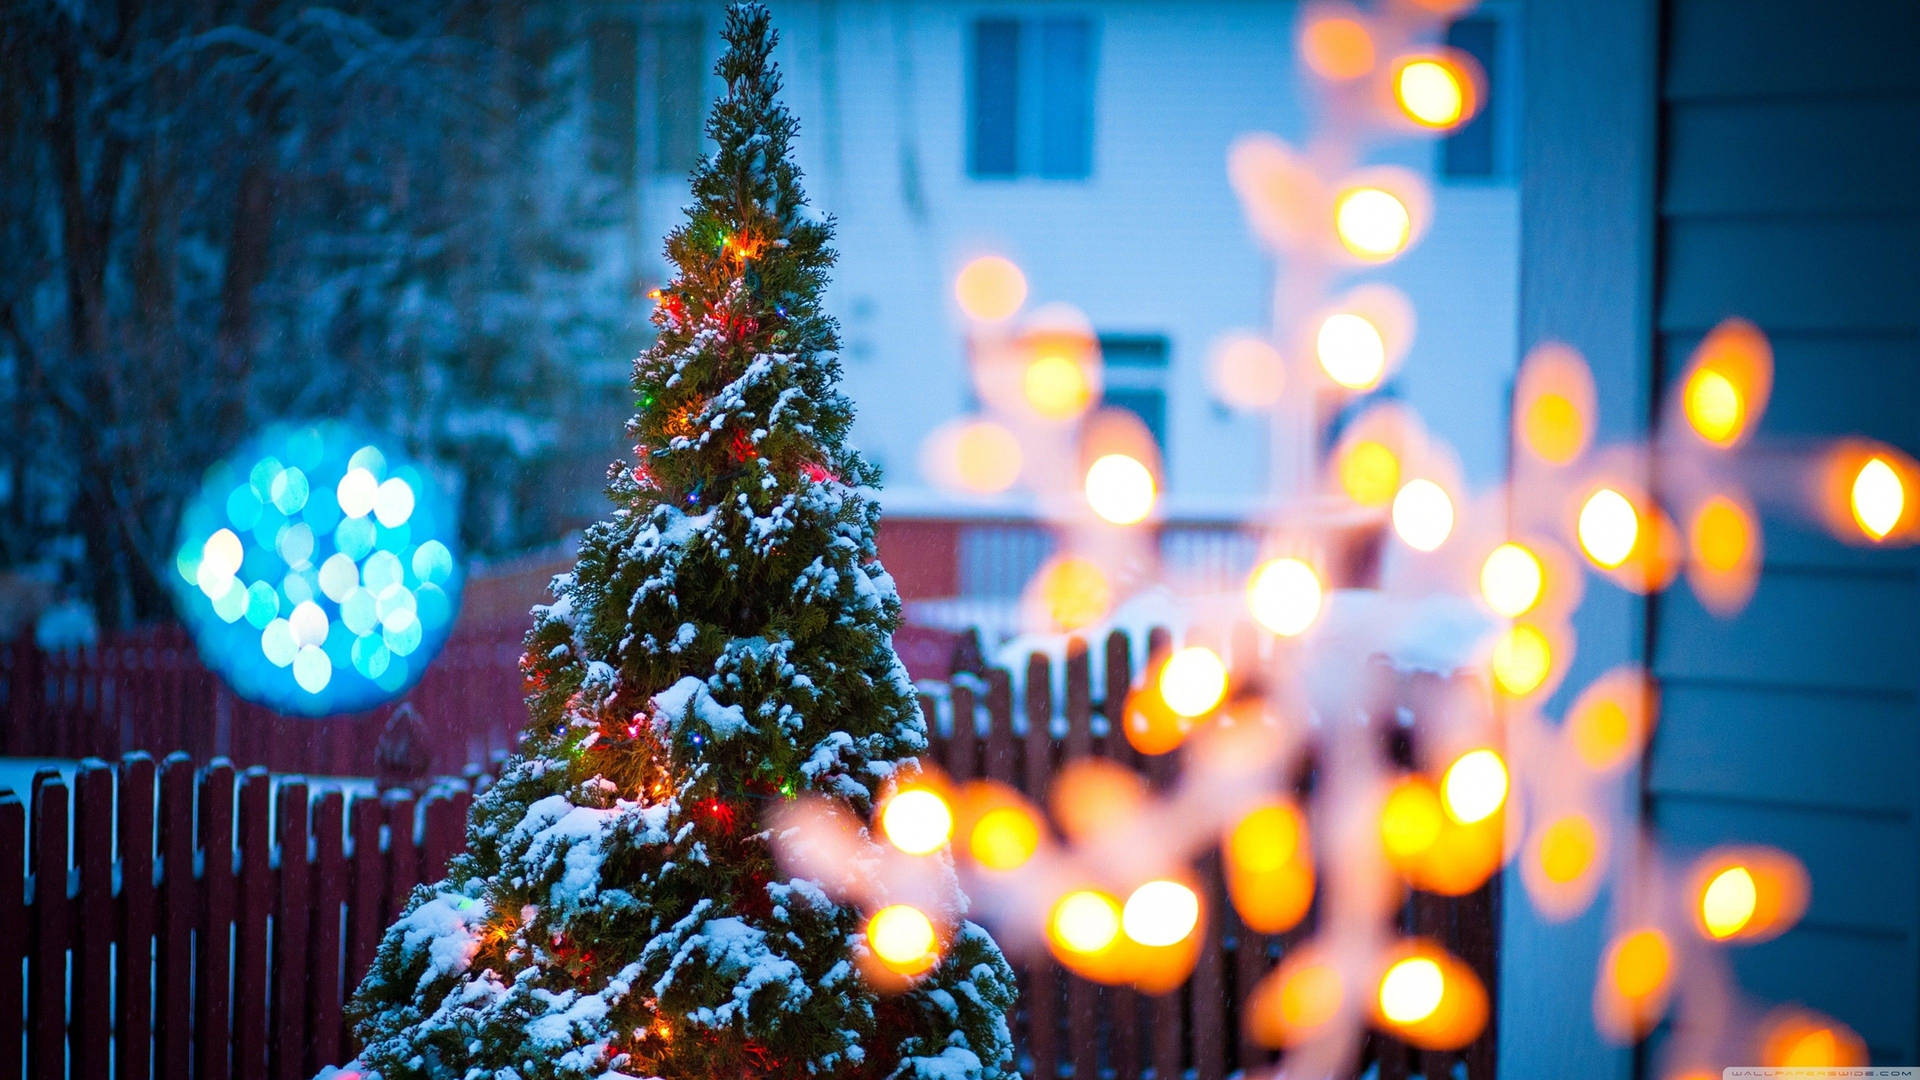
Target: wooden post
{"x":963,"y":745}
{"x":292,"y":926}
{"x":1043,"y":986}
{"x":14,"y":927}
{"x":92,"y":1002}
{"x":329,"y":894}
{"x":250,"y":1018}
{"x":1083,"y":997}
{"x":47,"y":966}
{"x":174,"y":1024}
{"x":133,"y":1012}
{"x":403,"y":855}
{"x":214,"y":1013}
{"x":368,"y":870}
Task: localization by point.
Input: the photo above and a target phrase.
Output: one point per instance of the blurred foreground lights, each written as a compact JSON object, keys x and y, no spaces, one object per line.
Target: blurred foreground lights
{"x":1193,"y":681}
{"x":1270,"y":876}
{"x":1160,"y":913}
{"x":317,"y":572}
{"x":1475,"y":786}
{"x":990,"y":288}
{"x":1423,"y":515}
{"x":1877,"y":497}
{"x":1727,"y":905}
{"x":977,"y":456}
{"x":1285,"y":596}
{"x":1714,"y":407}
{"x":1745,"y":894}
{"x":1522,"y":660}
{"x":1411,"y":990}
{"x":1608,"y":723}
{"x":1797,"y":1039}
{"x":1084,"y":922}
{"x":1429,"y":998}
{"x":1351,"y":350}
{"x":1562,"y":863}
{"x":1120,"y":489}
{"x":1554,"y":403}
{"x":1297,"y":1000}
{"x":1056,"y":385}
{"x":1336,"y":47}
{"x":1727,"y":383}
{"x":1511,"y":579}
{"x":1608,"y":528}
{"x":1432,"y":92}
{"x":1373,"y":224}
{"x":1369,"y":472}
{"x":1004,"y":838}
{"x":1072,"y":592}
{"x":917,"y":821}
{"x":1247,"y":372}
{"x":1636,"y":979}
{"x":902,"y":937}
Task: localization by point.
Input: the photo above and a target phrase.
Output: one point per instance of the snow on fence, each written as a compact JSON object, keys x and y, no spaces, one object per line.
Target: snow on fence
{"x":201,"y":923}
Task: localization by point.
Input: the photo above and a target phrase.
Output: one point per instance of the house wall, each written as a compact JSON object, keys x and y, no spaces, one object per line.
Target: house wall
{"x":1686,"y":161}
{"x":1791,"y":145}
{"x":1152,"y":242}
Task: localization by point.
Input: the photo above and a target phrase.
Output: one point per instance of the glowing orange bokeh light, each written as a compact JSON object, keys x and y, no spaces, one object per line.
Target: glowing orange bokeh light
{"x":1072,"y":592}
{"x":1429,"y":998}
{"x":1609,"y":721}
{"x":1373,"y":224}
{"x":1369,"y":472}
{"x":1120,"y":489}
{"x":1433,"y":91}
{"x":990,"y":288}
{"x":903,"y":939}
{"x":1554,"y":404}
{"x":1337,"y":48}
{"x":1247,"y":372}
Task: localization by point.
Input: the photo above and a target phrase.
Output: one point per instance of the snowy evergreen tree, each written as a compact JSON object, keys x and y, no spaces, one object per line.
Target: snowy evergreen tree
{"x":722,"y":645}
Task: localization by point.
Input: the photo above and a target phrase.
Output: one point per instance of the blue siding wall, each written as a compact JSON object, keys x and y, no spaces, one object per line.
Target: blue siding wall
{"x":1790,"y":194}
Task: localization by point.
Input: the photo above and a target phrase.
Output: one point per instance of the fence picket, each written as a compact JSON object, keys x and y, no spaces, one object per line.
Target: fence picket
{"x":440,"y":834}
{"x":250,"y":1014}
{"x":292,"y":927}
{"x":47,"y":966}
{"x":329,"y":893}
{"x":1083,"y":997}
{"x":133,"y":992}
{"x":174,"y":1023}
{"x":14,"y":936}
{"x":91,"y":1007}
{"x":220,"y":888}
{"x":403,"y":855}
{"x":1207,"y":988}
{"x":963,"y":745}
{"x":1043,"y":977}
{"x":369,"y":887}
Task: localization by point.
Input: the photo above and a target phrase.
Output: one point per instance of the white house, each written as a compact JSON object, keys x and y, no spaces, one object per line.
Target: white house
{"x":1086,"y":140}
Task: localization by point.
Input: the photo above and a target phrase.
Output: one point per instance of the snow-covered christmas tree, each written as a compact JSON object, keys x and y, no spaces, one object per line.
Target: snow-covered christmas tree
{"x":723,"y":645}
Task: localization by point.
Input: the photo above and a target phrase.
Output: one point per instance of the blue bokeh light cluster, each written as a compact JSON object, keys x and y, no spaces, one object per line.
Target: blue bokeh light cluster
{"x":318,"y":571}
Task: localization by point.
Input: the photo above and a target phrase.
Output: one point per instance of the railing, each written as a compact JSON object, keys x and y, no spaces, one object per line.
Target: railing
{"x":177,"y":922}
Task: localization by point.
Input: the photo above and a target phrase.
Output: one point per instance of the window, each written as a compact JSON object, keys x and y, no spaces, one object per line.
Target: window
{"x":1476,"y":149}
{"x":675,"y":48}
{"x":1031,"y":98}
{"x":1134,"y":368}
{"x":613,"y":55}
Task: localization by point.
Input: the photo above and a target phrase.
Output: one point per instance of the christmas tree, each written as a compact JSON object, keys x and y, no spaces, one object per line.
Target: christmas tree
{"x":722,"y":646}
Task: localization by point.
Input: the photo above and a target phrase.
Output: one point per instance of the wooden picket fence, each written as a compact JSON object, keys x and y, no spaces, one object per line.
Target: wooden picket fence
{"x":149,"y":689}
{"x":176,"y":921}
